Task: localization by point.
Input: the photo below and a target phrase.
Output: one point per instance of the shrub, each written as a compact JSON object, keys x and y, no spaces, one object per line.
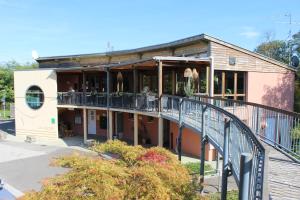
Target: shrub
{"x":194,"y":168}
{"x":139,"y":174}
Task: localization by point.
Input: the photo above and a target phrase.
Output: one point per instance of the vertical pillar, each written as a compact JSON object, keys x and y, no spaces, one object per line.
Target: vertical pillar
{"x":179,"y":143}
{"x":84,"y":126}
{"x":173,"y":82}
{"x":135,"y":85}
{"x":160,"y":77}
{"x":203,"y":143}
{"x":84,"y":88}
{"x":245,"y":173}
{"x":110,"y":125}
{"x":211,"y":77}
{"x":179,"y":139}
{"x":109,"y":113}
{"x":225,"y":171}
{"x":135,"y":129}
{"x":160,"y":132}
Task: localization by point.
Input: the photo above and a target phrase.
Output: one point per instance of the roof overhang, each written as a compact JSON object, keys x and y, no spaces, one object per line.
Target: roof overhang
{"x":150,"y":62}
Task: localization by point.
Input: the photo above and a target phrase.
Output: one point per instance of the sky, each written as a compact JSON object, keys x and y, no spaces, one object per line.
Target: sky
{"x":64,"y":27}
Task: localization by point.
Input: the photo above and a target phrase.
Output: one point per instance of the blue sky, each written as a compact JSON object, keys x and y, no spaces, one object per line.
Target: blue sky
{"x":65,"y":27}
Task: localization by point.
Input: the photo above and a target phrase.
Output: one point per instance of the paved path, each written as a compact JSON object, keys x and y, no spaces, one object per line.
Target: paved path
{"x":24,"y":165}
{"x":284,"y":176}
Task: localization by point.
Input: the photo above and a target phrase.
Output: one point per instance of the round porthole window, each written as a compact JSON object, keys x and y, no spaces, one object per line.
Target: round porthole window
{"x":34,"y":97}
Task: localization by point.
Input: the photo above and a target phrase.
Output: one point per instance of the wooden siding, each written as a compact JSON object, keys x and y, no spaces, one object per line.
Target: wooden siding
{"x":244,"y":62}
{"x":197,"y":48}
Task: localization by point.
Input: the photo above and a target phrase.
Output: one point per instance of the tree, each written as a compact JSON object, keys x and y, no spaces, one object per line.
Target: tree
{"x":6,"y":78}
{"x":276,"y":49}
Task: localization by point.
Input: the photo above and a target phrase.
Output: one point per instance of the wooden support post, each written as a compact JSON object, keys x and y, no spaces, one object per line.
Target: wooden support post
{"x":173,"y":82}
{"x":110,"y":125}
{"x":160,"y":132}
{"x":84,"y":126}
{"x":135,"y":85}
{"x":109,"y":113}
{"x":84,"y":88}
{"x":136,"y":129}
{"x":160,"y":77}
{"x":211,"y":77}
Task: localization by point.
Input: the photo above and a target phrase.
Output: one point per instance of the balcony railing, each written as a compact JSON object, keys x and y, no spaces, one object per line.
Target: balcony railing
{"x":210,"y":120}
{"x":70,"y":98}
{"x":278,"y":128}
{"x":139,"y":101}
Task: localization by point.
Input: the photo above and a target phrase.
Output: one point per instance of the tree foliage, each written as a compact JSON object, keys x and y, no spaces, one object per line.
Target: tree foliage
{"x":280,"y":50}
{"x":276,"y":49}
{"x":6,"y":78}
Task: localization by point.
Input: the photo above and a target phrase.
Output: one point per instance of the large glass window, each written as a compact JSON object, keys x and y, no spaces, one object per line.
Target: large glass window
{"x":167,"y":83}
{"x":230,"y":85}
{"x":218,"y":82}
{"x":34,"y":97}
{"x":203,"y":80}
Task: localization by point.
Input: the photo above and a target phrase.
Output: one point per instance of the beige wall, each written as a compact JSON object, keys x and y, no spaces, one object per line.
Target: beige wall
{"x":271,"y":89}
{"x":31,"y":122}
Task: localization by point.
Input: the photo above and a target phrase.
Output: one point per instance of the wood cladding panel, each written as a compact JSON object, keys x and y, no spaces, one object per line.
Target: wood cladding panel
{"x":244,"y":62}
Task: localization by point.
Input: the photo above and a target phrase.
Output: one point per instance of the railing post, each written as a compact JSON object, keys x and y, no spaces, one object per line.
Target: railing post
{"x":179,"y":138}
{"x":225,"y":171}
{"x":245,"y":173}
{"x":203,"y":143}
{"x":257,"y":121}
{"x":277,"y":141}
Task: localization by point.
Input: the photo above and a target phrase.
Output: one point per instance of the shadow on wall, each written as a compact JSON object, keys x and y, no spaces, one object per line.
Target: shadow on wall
{"x":282,"y":95}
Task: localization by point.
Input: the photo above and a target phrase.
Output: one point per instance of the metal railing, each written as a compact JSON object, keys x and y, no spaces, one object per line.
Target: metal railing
{"x":70,"y":98}
{"x":276,"y":127}
{"x":138,"y":101}
{"x":213,"y":122}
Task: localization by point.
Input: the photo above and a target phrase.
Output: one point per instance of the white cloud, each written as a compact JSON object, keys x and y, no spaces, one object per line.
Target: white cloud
{"x":249,"y":32}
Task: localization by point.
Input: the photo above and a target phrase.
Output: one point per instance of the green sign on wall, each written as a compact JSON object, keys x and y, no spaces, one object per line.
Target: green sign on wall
{"x":52,"y":120}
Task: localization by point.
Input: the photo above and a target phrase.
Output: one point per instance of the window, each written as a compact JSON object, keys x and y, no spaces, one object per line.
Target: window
{"x":103,"y":122}
{"x":35,"y":97}
{"x":203,"y":81}
{"x":130,"y":115}
{"x":229,"y":85}
{"x":78,"y":117}
{"x":167,"y":85}
{"x":150,"y":119}
{"x":218,"y":82}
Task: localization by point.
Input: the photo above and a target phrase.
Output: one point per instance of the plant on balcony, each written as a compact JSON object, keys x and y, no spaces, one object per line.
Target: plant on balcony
{"x":189,"y":87}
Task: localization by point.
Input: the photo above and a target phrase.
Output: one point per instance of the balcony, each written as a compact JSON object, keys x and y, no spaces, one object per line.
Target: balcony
{"x":139,"y":101}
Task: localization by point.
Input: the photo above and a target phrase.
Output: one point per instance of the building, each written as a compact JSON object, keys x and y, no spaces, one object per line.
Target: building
{"x":119,"y":94}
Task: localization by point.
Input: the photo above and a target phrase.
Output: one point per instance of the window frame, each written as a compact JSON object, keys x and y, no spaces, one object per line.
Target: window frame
{"x":41,"y":92}
{"x":235,"y":95}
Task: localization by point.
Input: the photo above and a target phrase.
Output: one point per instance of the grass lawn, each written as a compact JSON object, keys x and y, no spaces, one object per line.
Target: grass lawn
{"x":194,"y":168}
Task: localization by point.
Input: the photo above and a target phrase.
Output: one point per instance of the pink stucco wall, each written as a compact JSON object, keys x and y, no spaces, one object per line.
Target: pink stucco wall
{"x":271,"y":89}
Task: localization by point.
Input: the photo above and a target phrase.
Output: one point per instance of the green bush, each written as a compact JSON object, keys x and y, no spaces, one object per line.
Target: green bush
{"x":194,"y":168}
{"x":138,"y":174}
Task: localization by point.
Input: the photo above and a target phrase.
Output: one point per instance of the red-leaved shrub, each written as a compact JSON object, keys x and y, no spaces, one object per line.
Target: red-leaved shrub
{"x":153,"y":156}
